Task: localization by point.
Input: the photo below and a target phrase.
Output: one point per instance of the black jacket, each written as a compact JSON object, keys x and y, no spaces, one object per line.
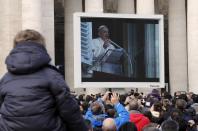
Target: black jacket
{"x":34,"y":97}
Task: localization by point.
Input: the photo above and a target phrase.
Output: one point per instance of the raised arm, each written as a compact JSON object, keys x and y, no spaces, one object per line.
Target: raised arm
{"x":123,"y":115}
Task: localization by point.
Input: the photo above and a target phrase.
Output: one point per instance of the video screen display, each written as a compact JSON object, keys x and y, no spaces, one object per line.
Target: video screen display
{"x":116,"y":49}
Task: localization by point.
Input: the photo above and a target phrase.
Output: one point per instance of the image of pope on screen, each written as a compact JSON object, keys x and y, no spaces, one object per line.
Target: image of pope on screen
{"x":103,"y":58}
{"x":119,"y":50}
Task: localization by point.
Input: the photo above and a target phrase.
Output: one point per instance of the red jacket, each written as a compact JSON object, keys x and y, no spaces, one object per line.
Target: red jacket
{"x":139,"y":119}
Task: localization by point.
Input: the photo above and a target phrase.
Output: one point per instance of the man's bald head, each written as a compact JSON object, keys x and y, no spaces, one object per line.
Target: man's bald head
{"x":109,"y":125}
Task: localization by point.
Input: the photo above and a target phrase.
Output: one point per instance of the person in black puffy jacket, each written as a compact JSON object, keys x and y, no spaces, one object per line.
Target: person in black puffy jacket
{"x":34,"y":96}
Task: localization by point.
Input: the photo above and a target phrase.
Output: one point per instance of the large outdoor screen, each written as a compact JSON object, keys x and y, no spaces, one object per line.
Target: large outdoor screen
{"x":118,"y":50}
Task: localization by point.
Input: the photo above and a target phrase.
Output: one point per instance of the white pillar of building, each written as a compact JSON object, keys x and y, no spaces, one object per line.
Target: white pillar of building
{"x":10,"y":24}
{"x":39,"y":15}
{"x":145,"y":7}
{"x":126,"y":6}
{"x":192,"y":29}
{"x":48,"y":26}
{"x":177,"y":46}
{"x":71,"y":6}
{"x":95,"y":6}
{"x":32,"y":15}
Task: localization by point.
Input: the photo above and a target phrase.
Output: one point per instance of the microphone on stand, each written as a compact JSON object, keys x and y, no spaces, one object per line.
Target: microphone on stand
{"x":125,"y":52}
{"x":115,"y":44}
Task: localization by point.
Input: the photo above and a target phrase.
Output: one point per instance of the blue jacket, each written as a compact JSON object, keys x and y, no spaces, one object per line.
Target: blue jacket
{"x":123,"y":115}
{"x":97,"y":120}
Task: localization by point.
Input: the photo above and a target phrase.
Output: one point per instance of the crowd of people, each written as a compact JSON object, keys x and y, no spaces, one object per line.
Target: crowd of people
{"x":135,"y":111}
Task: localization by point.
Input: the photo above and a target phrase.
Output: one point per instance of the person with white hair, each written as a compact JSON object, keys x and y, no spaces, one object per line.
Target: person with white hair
{"x":101,"y":46}
{"x":109,"y":125}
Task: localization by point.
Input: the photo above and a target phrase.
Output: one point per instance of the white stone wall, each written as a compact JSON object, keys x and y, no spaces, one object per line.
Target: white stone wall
{"x":48,"y":26}
{"x":25,"y":14}
{"x":10,"y":23}
{"x":177,"y":46}
{"x":126,"y":6}
{"x":71,"y":6}
{"x":94,"y":6}
{"x":145,"y":7}
{"x":192,"y":45}
{"x":39,"y":15}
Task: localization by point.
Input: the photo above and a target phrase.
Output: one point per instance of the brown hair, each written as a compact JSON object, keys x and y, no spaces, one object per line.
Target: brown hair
{"x":29,"y":35}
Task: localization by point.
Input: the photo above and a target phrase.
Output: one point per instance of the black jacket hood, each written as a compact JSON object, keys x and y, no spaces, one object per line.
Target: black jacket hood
{"x":27,"y":57}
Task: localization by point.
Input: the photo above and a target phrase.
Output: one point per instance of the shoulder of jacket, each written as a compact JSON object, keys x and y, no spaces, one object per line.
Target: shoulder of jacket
{"x":5,"y":78}
{"x":52,"y":73}
{"x":53,"y":70}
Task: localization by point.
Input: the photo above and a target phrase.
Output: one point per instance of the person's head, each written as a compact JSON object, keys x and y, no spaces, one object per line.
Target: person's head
{"x":84,"y":107}
{"x":96,"y":108}
{"x":170,"y":125}
{"x":191,"y":111}
{"x":133,"y":105}
{"x":150,"y":100}
{"x":195,"y":118}
{"x":103,"y":32}
{"x":181,"y":104}
{"x":155,"y":94}
{"x":151,"y":127}
{"x":157,"y":106}
{"x":110,"y":111}
{"x":128,"y":126}
{"x":184,"y":97}
{"x":88,"y":98}
{"x":189,"y":95}
{"x":176,"y":114}
{"x":109,"y":125}
{"x":81,"y":97}
{"x":29,"y":35}
{"x":155,"y":91}
{"x":166,"y":103}
{"x":122,"y":98}
{"x":98,"y":96}
{"x":177,"y":93}
{"x":195,"y":98}
{"x":167,"y":95}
